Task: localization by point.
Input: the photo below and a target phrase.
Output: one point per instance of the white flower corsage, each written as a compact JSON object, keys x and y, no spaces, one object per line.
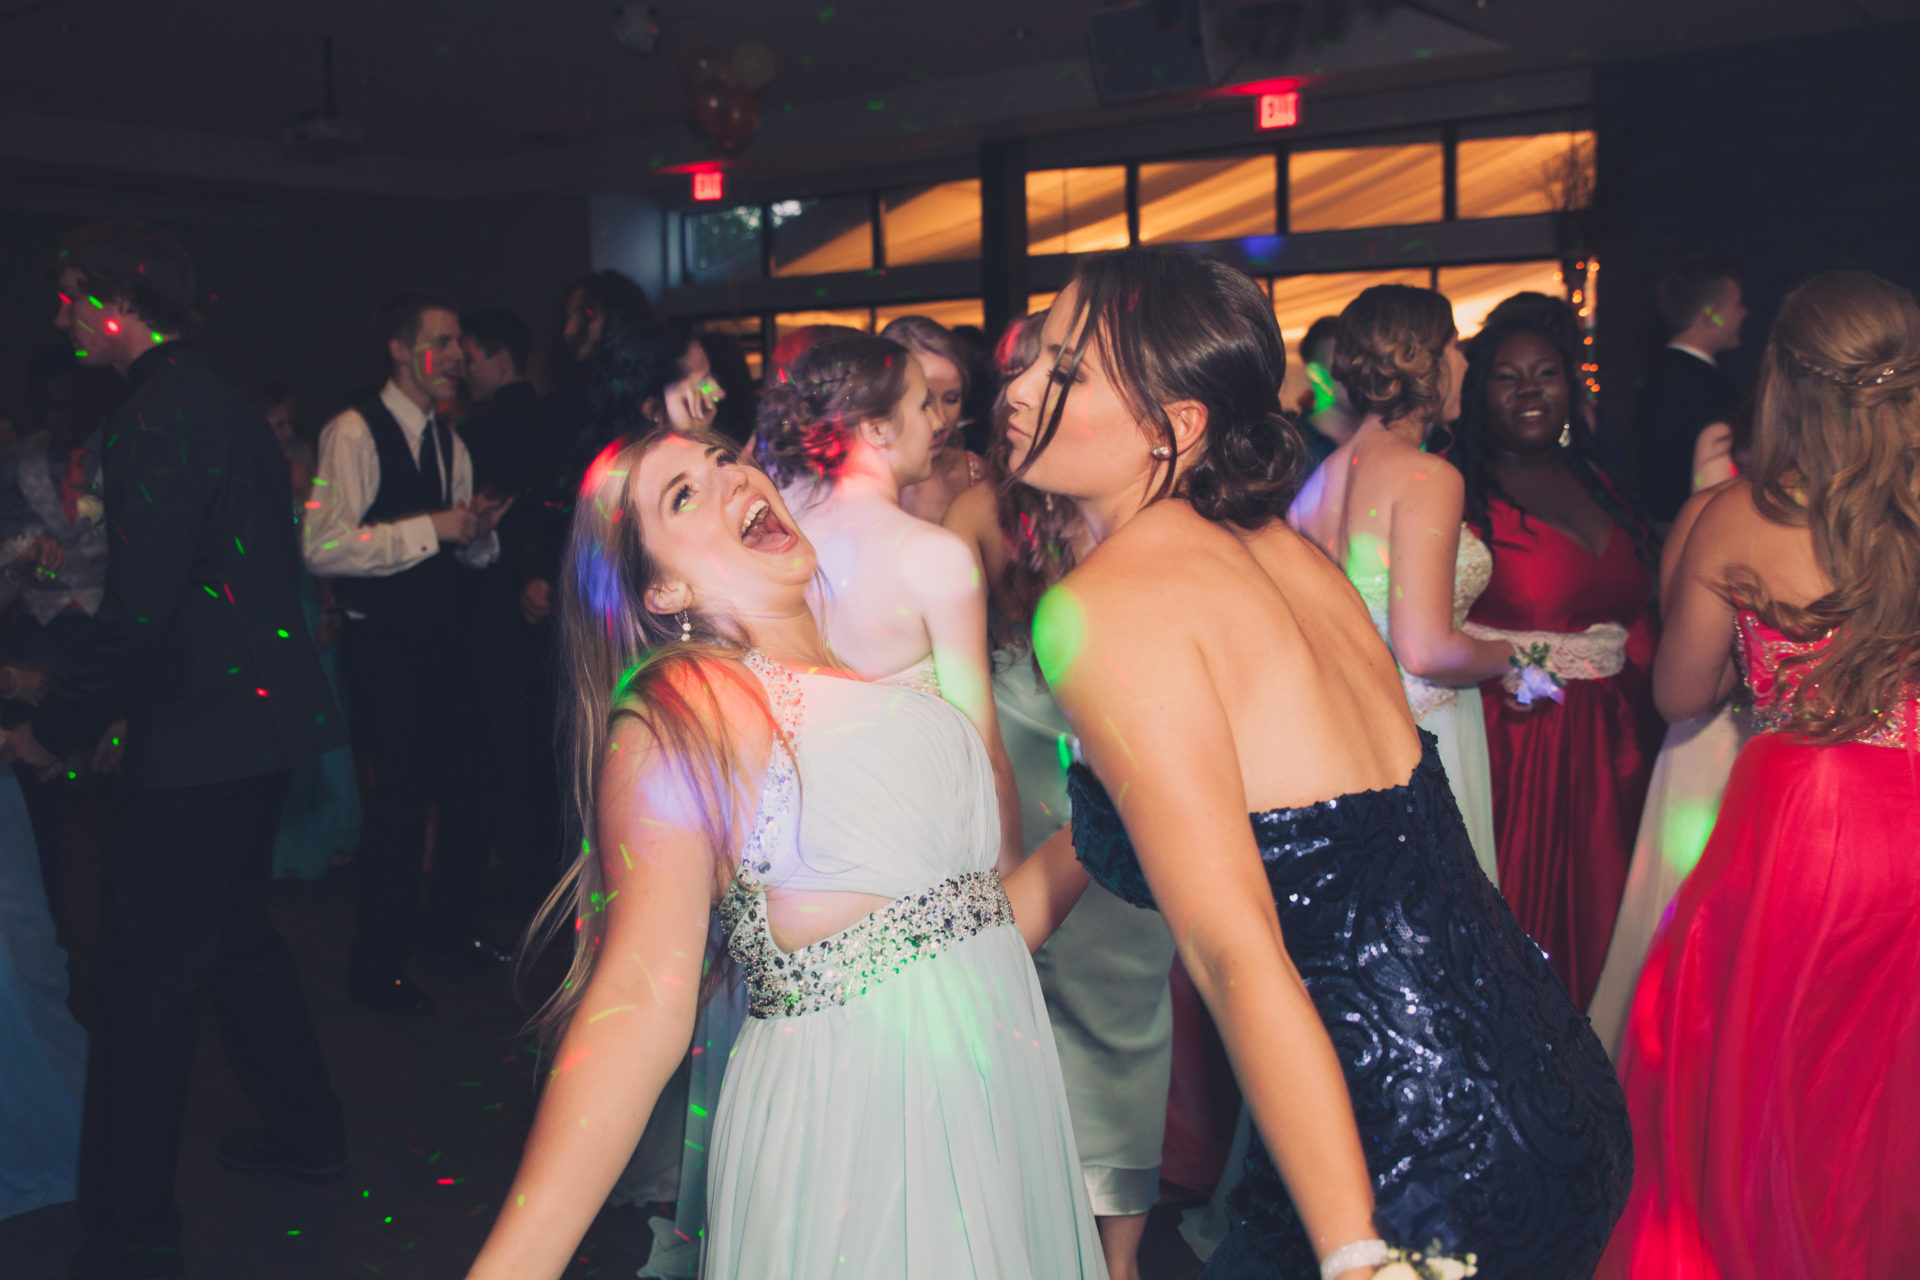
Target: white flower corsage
{"x":1407,"y":1265}
{"x":1532,"y":677}
{"x":88,"y":509}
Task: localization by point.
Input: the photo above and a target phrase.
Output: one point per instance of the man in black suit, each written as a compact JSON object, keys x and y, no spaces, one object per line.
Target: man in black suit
{"x":1700,"y":302}
{"x":199,"y":641}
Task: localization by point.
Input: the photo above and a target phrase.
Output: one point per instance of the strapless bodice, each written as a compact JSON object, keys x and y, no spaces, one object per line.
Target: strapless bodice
{"x":1760,"y":651}
{"x":1472,"y":570}
{"x":922,"y":676}
{"x":1489,"y":1114}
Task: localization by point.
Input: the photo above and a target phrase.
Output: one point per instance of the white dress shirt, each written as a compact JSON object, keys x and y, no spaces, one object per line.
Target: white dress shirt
{"x":1695,"y":352}
{"x":347,"y":478}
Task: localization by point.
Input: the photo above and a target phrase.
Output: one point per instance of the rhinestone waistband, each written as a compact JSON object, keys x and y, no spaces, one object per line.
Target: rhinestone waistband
{"x":914,"y":927}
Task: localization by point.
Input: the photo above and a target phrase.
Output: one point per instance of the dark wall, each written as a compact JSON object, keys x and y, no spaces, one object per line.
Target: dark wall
{"x":288,"y":296}
{"x":1795,"y":157}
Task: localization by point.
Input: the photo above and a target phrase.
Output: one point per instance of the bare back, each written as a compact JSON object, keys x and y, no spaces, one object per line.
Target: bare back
{"x":1311,"y":697}
{"x":872,"y":559}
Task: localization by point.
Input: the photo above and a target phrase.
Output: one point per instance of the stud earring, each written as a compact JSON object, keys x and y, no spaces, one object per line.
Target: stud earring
{"x":1162,"y":452}
{"x":686,"y":627}
{"x":1566,"y":435}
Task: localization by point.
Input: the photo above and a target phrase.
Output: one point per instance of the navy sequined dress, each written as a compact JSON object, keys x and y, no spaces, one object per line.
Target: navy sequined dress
{"x":1489,"y":1113}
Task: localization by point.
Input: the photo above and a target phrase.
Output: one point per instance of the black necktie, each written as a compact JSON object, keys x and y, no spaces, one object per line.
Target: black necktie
{"x":430,"y":439}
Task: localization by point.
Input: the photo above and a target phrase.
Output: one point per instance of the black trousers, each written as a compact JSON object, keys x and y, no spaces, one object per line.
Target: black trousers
{"x":184,"y":914}
{"x":418,"y":726}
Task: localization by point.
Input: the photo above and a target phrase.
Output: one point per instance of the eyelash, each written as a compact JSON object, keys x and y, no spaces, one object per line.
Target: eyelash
{"x":681,"y":495}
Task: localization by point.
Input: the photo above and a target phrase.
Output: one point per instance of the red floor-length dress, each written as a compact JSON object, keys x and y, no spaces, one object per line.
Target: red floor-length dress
{"x":1569,"y":779}
{"x":1772,"y":1058}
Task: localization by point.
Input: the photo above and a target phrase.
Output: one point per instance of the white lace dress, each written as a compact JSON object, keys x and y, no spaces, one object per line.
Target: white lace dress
{"x":1451,"y":715}
{"x":894,"y":1105}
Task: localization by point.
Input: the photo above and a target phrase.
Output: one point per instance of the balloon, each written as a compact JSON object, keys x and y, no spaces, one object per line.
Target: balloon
{"x":700,"y":63}
{"x":739,"y":118}
{"x":710,"y":102}
{"x":752,"y":65}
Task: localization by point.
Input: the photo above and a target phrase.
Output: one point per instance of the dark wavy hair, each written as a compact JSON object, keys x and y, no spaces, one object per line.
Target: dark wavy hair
{"x":1036,"y":530}
{"x":1389,"y":351}
{"x":1592,"y":464}
{"x":630,"y":368}
{"x":1171,"y":327}
{"x":806,"y":419}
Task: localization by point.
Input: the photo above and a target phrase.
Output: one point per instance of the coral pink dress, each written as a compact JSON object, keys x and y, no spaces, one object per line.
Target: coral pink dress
{"x":1772,"y":1059}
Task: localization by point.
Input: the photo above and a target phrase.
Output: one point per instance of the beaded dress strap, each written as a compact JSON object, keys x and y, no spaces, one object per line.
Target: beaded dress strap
{"x":778,"y":792}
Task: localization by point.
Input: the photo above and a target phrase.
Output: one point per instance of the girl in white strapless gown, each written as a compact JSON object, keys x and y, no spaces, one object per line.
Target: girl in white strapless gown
{"x":1452,"y":715}
{"x":894,"y":1106}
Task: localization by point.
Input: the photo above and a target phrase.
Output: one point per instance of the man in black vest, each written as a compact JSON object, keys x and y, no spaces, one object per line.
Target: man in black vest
{"x":1701,"y":305}
{"x":396,"y":522}
{"x":199,"y":641}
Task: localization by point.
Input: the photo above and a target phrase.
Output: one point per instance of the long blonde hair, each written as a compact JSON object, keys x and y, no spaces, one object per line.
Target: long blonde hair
{"x":1837,"y":449}
{"x":618,"y":658}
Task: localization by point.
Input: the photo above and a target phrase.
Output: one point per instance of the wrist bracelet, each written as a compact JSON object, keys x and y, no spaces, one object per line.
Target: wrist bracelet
{"x":1361,"y":1253}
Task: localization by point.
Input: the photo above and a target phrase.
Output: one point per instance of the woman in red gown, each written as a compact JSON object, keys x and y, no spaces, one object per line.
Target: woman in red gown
{"x":1772,"y":1059}
{"x":1573,"y":572}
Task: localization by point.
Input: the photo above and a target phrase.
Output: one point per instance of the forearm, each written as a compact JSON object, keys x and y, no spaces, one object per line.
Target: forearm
{"x":1045,"y":887}
{"x":1007,"y":792}
{"x":1291,"y":1078}
{"x":1454,"y":658}
{"x":607,"y":1079}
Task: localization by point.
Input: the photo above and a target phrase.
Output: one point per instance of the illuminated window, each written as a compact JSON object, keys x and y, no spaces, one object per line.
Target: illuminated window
{"x":722,"y":245}
{"x":932,"y":224}
{"x":1077,"y":210}
{"x":1364,"y":187}
{"x":1476,"y":290}
{"x":1191,"y":200}
{"x":817,"y":237}
{"x":1040,"y":301}
{"x":854,"y":318}
{"x":1543,"y":173}
{"x":1300,"y":300}
{"x":950,"y":312}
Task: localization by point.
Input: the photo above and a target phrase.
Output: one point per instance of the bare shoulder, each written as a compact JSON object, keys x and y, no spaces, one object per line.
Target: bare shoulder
{"x":935,"y":562}
{"x":974,"y":513}
{"x":708,"y":689}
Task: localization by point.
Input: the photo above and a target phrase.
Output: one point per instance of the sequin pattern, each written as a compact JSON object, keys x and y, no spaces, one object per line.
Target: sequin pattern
{"x":832,"y":971}
{"x":1759,"y":653}
{"x":1490,"y":1117}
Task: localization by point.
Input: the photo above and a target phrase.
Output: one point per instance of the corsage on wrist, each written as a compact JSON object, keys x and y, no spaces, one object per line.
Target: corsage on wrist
{"x":1533,"y":677}
{"x":1389,"y":1263}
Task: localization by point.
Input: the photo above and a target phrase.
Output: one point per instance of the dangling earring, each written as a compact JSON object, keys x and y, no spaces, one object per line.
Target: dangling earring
{"x":1162,"y":452}
{"x":1566,"y":435}
{"x":686,"y":627}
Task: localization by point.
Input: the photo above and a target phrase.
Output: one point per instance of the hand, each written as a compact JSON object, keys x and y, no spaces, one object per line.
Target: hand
{"x":488,"y":509}
{"x":536,"y":601}
{"x":111,"y":749}
{"x":23,"y":684}
{"x":695,"y":402}
{"x":457,"y":524}
{"x":22,"y":748}
{"x":38,"y":561}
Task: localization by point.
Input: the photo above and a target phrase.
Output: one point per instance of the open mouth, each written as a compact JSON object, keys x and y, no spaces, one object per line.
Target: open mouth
{"x":762,"y":530}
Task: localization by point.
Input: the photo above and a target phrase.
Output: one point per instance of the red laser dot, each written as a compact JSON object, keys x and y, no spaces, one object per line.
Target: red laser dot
{"x":113,"y":326}
{"x":261,"y":692}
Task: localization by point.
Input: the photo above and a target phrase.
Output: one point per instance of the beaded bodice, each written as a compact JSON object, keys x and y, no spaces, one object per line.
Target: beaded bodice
{"x":1472,"y":570}
{"x":877,"y":788}
{"x":1760,"y":650}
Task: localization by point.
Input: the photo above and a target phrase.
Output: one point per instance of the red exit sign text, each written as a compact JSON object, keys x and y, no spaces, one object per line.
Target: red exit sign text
{"x":1279,"y":110}
{"x":708,"y":185}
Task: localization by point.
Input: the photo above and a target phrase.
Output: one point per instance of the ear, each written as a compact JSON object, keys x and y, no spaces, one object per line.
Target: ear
{"x":1189,"y":419}
{"x":399,"y":352}
{"x":877,"y":432}
{"x":668,"y":597}
{"x":654,"y":410}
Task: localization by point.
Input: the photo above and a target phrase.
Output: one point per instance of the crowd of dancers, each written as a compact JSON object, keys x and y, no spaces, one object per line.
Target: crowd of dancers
{"x":1534,"y":850}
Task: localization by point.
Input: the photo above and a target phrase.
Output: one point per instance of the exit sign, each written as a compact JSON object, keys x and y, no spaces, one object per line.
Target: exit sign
{"x":708,"y":185}
{"x":1279,"y":110}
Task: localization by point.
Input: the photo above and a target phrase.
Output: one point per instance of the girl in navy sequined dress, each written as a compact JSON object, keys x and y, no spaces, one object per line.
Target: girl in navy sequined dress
{"x":1417,"y":1076}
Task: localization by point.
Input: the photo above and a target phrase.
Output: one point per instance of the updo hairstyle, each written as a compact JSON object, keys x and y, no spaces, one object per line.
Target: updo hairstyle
{"x":1389,"y":352}
{"x":807,"y":419}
